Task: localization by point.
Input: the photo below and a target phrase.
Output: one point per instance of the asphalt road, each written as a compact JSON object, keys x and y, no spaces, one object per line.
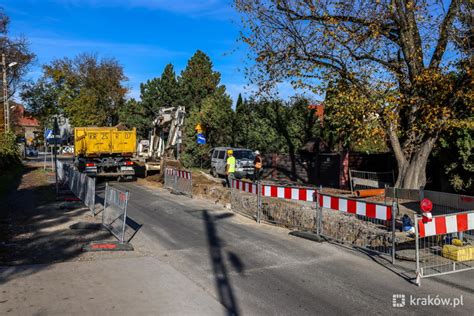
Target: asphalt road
{"x":260,"y":269}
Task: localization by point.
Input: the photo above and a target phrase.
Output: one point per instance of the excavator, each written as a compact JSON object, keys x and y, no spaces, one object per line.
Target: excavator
{"x":162,"y":148}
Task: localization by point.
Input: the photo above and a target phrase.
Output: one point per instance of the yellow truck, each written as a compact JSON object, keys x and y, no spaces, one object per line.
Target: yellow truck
{"x":105,"y":151}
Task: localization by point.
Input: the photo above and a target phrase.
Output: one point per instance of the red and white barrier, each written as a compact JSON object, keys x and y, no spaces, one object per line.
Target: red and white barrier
{"x":244,"y":186}
{"x":371,"y":210}
{"x":289,"y":193}
{"x":179,"y":173}
{"x":446,"y":224}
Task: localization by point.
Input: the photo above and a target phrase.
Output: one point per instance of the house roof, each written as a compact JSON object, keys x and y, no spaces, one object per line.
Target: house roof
{"x":21,"y":117}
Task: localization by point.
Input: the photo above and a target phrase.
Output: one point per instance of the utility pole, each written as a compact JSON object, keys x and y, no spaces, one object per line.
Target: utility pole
{"x":6,"y":110}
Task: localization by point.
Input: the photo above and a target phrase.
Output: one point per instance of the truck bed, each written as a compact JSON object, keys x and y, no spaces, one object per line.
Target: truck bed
{"x":103,"y":141}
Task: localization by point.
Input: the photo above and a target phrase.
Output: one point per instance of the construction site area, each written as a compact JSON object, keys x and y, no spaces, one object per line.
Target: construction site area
{"x":243,"y":158}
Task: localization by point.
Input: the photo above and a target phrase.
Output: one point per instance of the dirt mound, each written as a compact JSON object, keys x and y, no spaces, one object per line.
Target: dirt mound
{"x":206,"y":187}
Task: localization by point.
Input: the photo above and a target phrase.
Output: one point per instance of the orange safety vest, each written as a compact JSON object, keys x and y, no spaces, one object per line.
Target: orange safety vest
{"x":258,"y":162}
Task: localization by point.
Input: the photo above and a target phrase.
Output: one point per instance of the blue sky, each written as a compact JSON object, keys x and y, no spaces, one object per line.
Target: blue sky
{"x":143,"y":35}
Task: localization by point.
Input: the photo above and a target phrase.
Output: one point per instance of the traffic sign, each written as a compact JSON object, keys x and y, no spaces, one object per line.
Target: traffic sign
{"x":199,"y":128}
{"x":48,"y":134}
{"x":201,"y":139}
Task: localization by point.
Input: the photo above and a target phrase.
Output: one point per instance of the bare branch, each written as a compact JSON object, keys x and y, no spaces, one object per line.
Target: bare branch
{"x":445,"y":29}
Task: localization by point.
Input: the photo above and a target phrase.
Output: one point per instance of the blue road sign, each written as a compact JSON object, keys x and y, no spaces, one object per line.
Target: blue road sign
{"x":201,"y":139}
{"x":48,"y":134}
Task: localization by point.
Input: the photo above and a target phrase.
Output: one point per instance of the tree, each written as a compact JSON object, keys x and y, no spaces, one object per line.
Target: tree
{"x":198,"y":80}
{"x":160,"y":92}
{"x":217,"y":116}
{"x":396,"y":53}
{"x":85,"y":89}
{"x":347,"y":128}
{"x":132,"y":114}
{"x":454,"y":161}
{"x":275,"y":126}
{"x":41,"y":98}
{"x":206,"y":103}
{"x":15,"y":50}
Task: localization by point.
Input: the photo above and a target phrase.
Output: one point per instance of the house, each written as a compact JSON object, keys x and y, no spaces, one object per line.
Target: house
{"x":23,"y":124}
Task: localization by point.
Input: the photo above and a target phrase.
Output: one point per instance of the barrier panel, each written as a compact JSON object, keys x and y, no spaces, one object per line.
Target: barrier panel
{"x":291,"y":207}
{"x":443,"y":203}
{"x":114,"y":216}
{"x":358,"y":223}
{"x":80,"y":185}
{"x":60,"y":170}
{"x":180,"y":181}
{"x":370,"y":180}
{"x":444,"y":245}
{"x":244,"y":198}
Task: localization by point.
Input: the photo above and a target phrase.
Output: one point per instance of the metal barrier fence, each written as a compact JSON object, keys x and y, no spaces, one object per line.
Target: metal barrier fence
{"x":402,"y":194}
{"x":244,"y":198}
{"x":180,"y":181}
{"x":367,"y":225}
{"x":443,"y":203}
{"x":444,"y":245}
{"x":80,"y":185}
{"x":114,"y":216}
{"x":370,"y":180}
{"x":291,"y":207}
{"x":358,"y":223}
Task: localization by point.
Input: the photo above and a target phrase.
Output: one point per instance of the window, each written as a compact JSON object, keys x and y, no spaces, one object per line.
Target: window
{"x":244,"y":154}
{"x":221,"y":154}
{"x":214,"y":154}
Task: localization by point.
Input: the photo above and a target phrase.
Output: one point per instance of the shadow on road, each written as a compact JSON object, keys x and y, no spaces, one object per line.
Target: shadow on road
{"x":223,"y":285}
{"x":382,"y":260}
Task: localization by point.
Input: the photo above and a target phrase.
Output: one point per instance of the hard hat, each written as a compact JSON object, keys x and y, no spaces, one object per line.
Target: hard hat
{"x":257,"y":152}
{"x":230,"y":152}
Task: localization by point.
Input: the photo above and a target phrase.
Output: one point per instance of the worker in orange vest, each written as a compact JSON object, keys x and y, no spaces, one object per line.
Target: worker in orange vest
{"x":257,"y":166}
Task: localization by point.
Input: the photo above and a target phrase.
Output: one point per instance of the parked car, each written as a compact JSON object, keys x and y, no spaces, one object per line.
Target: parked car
{"x":31,"y":152}
{"x":67,"y":150}
{"x":243,"y":157}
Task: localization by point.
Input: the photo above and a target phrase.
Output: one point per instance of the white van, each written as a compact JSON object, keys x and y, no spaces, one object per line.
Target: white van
{"x":243,"y":157}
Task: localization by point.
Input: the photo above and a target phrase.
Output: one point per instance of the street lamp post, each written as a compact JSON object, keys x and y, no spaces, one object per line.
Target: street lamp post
{"x":6,"y":108}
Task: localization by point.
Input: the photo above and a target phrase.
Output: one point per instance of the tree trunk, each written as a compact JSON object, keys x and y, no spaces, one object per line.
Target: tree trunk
{"x":411,"y":170}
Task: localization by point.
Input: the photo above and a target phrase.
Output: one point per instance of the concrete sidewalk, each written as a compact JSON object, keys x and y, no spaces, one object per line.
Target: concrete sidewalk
{"x":130,"y":286}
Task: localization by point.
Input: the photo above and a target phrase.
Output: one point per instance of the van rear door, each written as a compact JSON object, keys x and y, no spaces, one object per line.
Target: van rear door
{"x":221,"y":162}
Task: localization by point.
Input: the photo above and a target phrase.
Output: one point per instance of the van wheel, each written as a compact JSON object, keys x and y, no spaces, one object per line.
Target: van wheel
{"x":213,"y":172}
